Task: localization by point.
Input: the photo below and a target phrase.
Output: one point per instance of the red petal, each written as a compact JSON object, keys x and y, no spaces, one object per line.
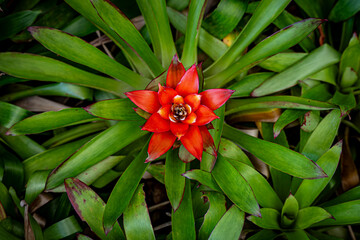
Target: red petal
{"x":165,"y":111}
{"x":193,"y":142}
{"x":215,"y":98}
{"x":208,"y":141}
{"x":175,"y":73}
{"x":156,"y":124}
{"x":189,"y":83}
{"x":193,"y":100}
{"x":159,"y":144}
{"x":166,"y":95}
{"x":204,"y":115}
{"x":179,"y":129}
{"x":145,"y":99}
{"x":191,"y":119}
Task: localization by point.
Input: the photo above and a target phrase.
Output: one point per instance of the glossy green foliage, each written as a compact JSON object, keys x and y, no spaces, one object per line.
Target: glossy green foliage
{"x":12,"y":114}
{"x":344,"y":9}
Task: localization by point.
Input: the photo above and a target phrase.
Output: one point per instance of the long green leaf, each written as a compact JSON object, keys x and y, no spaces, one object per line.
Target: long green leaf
{"x":90,"y":207}
{"x":203,"y":177}
{"x":264,"y":235}
{"x":51,"y":120}
{"x":309,"y":216}
{"x":14,"y":23}
{"x":122,"y":26}
{"x":350,"y":195}
{"x":231,"y":150}
{"x":344,"y":214}
{"x":62,"y":229}
{"x":13,"y":171}
{"x":344,"y":9}
{"x":297,"y":235}
{"x":216,"y":210}
{"x":310,"y":189}
{"x":276,"y":43}
{"x":42,"y":68}
{"x":265,"y":14}
{"x":293,"y":102}
{"x":97,"y":149}
{"x":35,"y":185}
{"x":174,"y":181}
{"x":124,"y":189}
{"x":24,"y":146}
{"x":196,"y":12}
{"x":55,"y":89}
{"x":77,"y":50}
{"x":240,"y":192}
{"x":137,"y":222}
{"x":115,"y":109}
{"x":80,"y":27}
{"x":11,"y":114}
{"x":269,"y":219}
{"x":230,"y":225}
{"x":317,"y":60}
{"x":275,"y":155}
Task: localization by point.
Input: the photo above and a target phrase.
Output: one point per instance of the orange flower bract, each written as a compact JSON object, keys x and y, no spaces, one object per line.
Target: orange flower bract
{"x":179,"y":112}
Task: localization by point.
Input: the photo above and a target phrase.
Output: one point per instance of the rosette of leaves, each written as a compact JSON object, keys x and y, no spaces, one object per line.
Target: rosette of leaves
{"x":105,"y":144}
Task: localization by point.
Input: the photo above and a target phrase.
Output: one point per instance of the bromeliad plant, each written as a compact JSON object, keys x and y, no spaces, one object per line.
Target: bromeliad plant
{"x":86,"y":149}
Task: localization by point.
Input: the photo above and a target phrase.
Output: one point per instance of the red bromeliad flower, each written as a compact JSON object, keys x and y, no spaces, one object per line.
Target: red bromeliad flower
{"x":178,"y":111}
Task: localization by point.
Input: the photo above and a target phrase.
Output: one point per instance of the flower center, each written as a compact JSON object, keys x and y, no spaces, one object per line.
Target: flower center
{"x":179,"y":112}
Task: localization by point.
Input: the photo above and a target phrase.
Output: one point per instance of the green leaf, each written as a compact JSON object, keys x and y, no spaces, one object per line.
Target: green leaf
{"x":269,"y":219}
{"x":245,"y":86}
{"x":157,"y":171}
{"x":225,"y":228}
{"x":94,"y":172}
{"x":6,"y":201}
{"x":115,"y":109}
{"x":35,"y":185}
{"x":203,"y":177}
{"x":34,"y":67}
{"x":317,"y":60}
{"x":124,"y":189}
{"x":24,"y":146}
{"x":212,"y":46}
{"x":229,"y":149}
{"x":55,"y":89}
{"x":174,"y":181}
{"x":264,"y":235}
{"x":11,"y":114}
{"x":275,"y":155}
{"x":216,"y":210}
{"x":225,"y":17}
{"x":350,"y":195}
{"x":80,"y":27}
{"x":137,"y":222}
{"x":62,"y":229}
{"x":238,"y":105}
{"x":156,"y":19}
{"x":351,"y":56}
{"x":344,"y":214}
{"x":309,"y":190}
{"x":346,"y":102}
{"x":51,"y":158}
{"x":275,"y":43}
{"x":124,"y":29}
{"x":323,"y":136}
{"x":310,"y":121}
{"x":309,"y":216}
{"x":97,"y":149}
{"x":90,"y":208}
{"x":263,"y":192}
{"x":265,"y":14}
{"x":343,"y":10}
{"x":51,"y":120}
{"x":348,"y":78}
{"x":16,"y":22}
{"x":195,"y":15}
{"x":289,"y":211}
{"x":77,"y":50}
{"x":240,"y":192}
{"x":183,"y":222}
{"x":297,"y":235}
{"x":13,"y":173}
{"x":281,"y":61}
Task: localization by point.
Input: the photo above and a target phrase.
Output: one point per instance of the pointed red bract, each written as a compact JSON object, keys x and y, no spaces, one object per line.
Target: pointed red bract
{"x":165,"y":111}
{"x":215,"y":98}
{"x":166,"y":95}
{"x":208,"y":141}
{"x":159,"y":144}
{"x":179,"y":129}
{"x":175,"y":73}
{"x":145,"y":99}
{"x":189,"y":83}
{"x":193,"y":100}
{"x":193,"y":142}
{"x":156,"y":124}
{"x":204,"y":115}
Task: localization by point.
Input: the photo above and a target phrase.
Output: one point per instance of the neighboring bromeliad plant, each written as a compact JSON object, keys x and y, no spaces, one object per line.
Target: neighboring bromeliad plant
{"x":185,"y":108}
